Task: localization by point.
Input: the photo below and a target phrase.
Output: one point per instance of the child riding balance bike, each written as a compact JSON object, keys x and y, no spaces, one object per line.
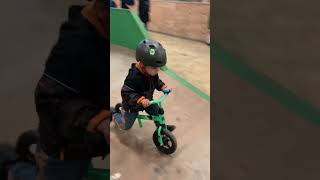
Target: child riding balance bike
{"x":137,"y":95}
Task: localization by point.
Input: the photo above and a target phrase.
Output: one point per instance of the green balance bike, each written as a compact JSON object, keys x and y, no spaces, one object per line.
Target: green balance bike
{"x":163,"y":139}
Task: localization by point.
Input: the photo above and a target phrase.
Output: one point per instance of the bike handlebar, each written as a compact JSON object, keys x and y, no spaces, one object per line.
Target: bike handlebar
{"x":159,"y":100}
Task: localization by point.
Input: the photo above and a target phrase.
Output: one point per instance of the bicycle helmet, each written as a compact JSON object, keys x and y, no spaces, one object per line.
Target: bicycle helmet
{"x":151,"y":53}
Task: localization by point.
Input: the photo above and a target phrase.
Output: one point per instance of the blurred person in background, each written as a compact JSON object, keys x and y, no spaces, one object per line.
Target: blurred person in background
{"x":125,"y":4}
{"x":144,"y":9}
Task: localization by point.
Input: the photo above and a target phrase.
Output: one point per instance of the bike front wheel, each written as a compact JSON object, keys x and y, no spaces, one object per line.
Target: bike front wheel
{"x":169,"y":141}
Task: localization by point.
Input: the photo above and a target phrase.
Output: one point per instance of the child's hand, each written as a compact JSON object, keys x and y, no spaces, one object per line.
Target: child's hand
{"x":145,"y":103}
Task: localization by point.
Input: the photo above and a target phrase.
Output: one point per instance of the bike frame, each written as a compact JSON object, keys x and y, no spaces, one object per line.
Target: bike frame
{"x":160,"y":118}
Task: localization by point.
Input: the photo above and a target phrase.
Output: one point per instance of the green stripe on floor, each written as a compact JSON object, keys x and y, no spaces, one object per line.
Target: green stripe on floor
{"x":186,"y":83}
{"x":265,"y":84}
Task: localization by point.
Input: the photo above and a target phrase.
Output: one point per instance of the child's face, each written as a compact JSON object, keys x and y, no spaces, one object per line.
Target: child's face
{"x":152,"y":71}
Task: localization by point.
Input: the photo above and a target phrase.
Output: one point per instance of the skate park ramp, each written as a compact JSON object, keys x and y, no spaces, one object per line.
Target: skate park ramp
{"x":133,"y":154}
{"x":126,"y":28}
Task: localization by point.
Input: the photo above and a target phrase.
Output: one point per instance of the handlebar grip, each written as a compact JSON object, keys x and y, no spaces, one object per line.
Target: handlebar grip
{"x":153,"y":102}
{"x":160,"y":100}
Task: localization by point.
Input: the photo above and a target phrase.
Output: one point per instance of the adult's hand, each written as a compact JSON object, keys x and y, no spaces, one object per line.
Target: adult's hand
{"x":101,"y":123}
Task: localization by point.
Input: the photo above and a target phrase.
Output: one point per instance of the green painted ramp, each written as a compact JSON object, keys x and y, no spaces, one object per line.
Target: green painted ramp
{"x":126,"y":28}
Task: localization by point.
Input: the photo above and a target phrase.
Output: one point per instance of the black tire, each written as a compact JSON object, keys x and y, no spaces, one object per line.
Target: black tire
{"x":170,"y":142}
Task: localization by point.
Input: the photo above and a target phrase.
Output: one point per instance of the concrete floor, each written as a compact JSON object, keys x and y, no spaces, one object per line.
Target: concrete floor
{"x":189,"y":59}
{"x":28,"y":31}
{"x":133,"y":154}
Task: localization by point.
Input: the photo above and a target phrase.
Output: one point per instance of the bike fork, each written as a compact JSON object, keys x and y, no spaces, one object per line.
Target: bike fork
{"x":159,"y":135}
